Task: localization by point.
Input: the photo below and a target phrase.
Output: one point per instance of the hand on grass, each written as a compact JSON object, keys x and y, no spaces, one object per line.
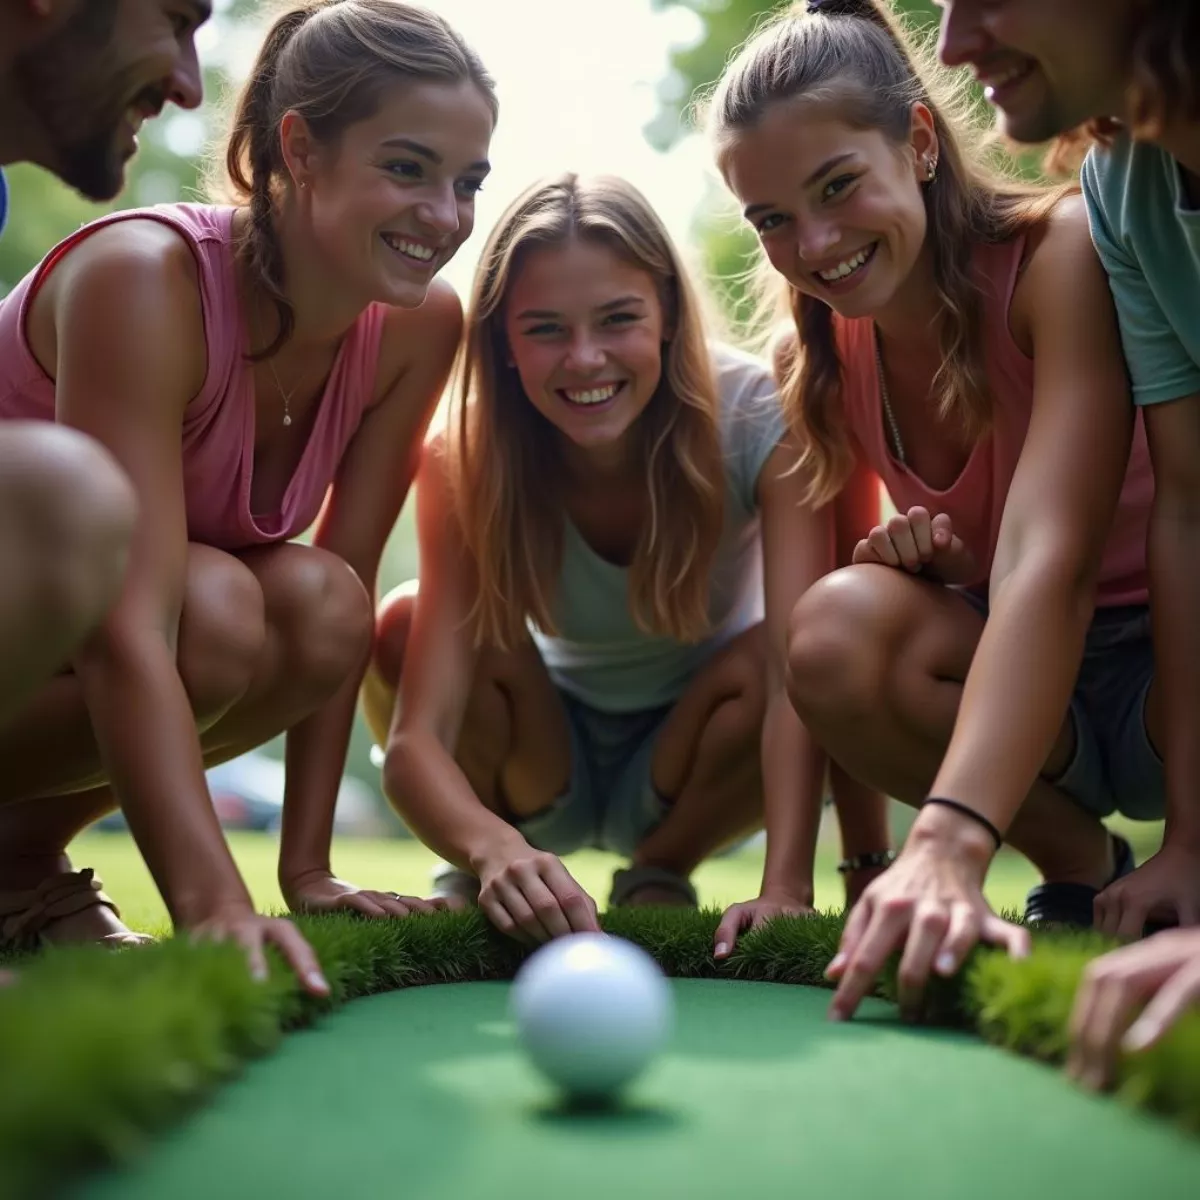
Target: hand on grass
{"x":753,"y":914}
{"x":1162,"y":973}
{"x":254,"y":933}
{"x":914,"y":541}
{"x":531,"y":896}
{"x":929,"y":904}
{"x":1165,"y":887}
{"x":322,"y":892}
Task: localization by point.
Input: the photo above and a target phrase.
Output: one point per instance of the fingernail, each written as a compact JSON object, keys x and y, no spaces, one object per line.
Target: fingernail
{"x":836,"y":1014}
{"x":316,"y":980}
{"x":259,"y":974}
{"x":722,"y":949}
{"x":1138,"y":1038}
{"x":945,"y":962}
{"x":835,"y":963}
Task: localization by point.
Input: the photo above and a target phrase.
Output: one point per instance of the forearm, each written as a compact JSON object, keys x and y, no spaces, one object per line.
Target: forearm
{"x":793,"y":768}
{"x":1017,"y":691}
{"x":315,"y":759}
{"x":432,"y":795}
{"x":1174,"y":547}
{"x":146,"y":733}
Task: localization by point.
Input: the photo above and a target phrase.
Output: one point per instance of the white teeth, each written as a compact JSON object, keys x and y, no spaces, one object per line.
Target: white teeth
{"x":999,"y":81}
{"x":412,"y":249}
{"x":592,"y":395}
{"x":845,"y":268}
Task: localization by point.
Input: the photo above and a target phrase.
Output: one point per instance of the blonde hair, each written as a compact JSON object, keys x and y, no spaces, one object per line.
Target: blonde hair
{"x":856,"y":54}
{"x":503,"y":455}
{"x":330,"y":61}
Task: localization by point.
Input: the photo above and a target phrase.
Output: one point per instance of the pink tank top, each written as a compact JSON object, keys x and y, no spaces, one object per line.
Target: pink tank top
{"x":975,"y":501}
{"x":218,"y":424}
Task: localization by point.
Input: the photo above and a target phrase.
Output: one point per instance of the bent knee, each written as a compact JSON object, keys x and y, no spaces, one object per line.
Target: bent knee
{"x":222,"y":630}
{"x":392,"y":624}
{"x":840,"y":637}
{"x":322,"y":614}
{"x":77,"y":510}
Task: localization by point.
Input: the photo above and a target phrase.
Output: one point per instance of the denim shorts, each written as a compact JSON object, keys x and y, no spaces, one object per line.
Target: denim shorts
{"x":1115,"y":768}
{"x":610,"y":802}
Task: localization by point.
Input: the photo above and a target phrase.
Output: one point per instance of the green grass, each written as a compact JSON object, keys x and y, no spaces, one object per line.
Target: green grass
{"x":100,"y":1051}
{"x":403,"y":866}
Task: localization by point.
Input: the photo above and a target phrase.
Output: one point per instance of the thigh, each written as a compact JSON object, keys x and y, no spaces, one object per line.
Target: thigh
{"x":735,"y":674}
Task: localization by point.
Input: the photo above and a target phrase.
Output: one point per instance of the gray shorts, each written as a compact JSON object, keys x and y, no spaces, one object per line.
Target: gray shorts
{"x":610,"y":802}
{"x":1115,"y":767}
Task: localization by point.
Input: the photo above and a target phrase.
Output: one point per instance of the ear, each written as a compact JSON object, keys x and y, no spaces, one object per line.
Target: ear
{"x":923,"y":140}
{"x":299,"y":148}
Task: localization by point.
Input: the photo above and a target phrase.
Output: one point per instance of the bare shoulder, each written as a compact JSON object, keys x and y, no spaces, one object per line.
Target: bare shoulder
{"x":1064,"y":236}
{"x":784,"y":347}
{"x":413,"y":335}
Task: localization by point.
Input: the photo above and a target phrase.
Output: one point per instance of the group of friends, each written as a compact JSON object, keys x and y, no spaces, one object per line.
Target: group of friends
{"x":658,"y":605}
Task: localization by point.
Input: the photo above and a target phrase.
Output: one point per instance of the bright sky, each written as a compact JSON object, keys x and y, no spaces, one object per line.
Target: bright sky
{"x":578,"y":82}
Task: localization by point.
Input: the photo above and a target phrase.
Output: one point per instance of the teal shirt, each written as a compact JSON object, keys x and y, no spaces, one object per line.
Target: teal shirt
{"x":600,"y":655}
{"x":1149,"y":241}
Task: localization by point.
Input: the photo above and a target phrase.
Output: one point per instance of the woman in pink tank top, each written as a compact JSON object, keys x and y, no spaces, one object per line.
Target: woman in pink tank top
{"x":988,"y":657}
{"x":253,"y":369}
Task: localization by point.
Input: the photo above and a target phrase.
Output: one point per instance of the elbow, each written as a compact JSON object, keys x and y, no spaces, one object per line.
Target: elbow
{"x":400,"y":761}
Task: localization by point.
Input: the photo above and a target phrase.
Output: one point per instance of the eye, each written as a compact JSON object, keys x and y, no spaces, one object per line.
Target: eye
{"x":768,"y":223}
{"x":469,"y":187}
{"x":621,"y":318}
{"x":404,"y":168}
{"x":835,"y":187}
{"x":542,"y":330}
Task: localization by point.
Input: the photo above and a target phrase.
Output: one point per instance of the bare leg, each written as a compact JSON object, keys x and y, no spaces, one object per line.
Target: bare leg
{"x":877,"y":661}
{"x":262,"y":643}
{"x":514,"y":745}
{"x":707,"y":760}
{"x":66,"y":517}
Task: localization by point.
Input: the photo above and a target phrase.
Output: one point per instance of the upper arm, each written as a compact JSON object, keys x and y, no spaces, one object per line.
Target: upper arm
{"x":1160,"y":366}
{"x":797,"y":544}
{"x":125,"y":372}
{"x":381,"y":460}
{"x":439,"y":659}
{"x":1067,"y":483}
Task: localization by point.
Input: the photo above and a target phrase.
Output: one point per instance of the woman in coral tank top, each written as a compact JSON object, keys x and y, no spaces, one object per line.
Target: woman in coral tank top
{"x":255,"y":369}
{"x":988,"y":658}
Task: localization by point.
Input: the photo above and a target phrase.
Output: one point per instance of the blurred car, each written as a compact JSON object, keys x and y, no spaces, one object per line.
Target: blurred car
{"x":247,"y":794}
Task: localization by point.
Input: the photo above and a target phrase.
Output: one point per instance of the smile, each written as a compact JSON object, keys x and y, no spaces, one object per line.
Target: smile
{"x":589,"y":397}
{"x":409,"y":249}
{"x":848,"y":266}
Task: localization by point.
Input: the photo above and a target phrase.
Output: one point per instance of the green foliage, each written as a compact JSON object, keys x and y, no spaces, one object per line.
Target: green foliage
{"x":100,"y":1050}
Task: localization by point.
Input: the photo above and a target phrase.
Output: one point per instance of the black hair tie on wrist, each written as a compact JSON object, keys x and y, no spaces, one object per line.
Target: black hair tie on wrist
{"x":977,"y":817}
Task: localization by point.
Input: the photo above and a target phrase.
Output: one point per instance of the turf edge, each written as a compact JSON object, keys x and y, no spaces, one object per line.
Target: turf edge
{"x":101,"y":1050}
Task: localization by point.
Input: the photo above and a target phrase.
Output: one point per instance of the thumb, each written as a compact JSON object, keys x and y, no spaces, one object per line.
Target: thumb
{"x":943,"y":531}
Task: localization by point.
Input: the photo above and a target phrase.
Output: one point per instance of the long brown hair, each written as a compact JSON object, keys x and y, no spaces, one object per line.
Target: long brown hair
{"x":857,"y":53}
{"x":503,"y":454}
{"x":1163,"y":80}
{"x":330,"y":61}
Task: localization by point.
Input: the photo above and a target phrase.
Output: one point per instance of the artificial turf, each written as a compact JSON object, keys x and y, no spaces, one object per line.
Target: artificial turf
{"x":98,"y":1051}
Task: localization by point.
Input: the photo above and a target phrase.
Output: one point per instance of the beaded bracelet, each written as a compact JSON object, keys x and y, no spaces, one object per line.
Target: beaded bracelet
{"x":861,"y":862}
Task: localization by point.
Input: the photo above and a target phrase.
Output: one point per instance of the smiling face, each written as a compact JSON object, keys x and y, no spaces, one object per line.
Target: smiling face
{"x":392,"y":202}
{"x":839,"y":211}
{"x":91,"y":84}
{"x":1047,"y":65}
{"x":585,"y":330}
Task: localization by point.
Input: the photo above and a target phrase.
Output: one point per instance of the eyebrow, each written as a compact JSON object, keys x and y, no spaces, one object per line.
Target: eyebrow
{"x":423,"y":151}
{"x":828,"y":165}
{"x":547,"y":314}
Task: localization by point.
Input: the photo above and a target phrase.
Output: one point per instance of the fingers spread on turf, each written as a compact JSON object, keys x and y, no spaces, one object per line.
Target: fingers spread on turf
{"x":732,"y":923}
{"x":546,"y":908}
{"x":961,"y":934}
{"x":930,"y":924}
{"x":512,"y":896}
{"x":365,"y":903}
{"x":887,"y":930}
{"x":1174,"y":998}
{"x":1133,"y":913}
{"x":1013,"y":939}
{"x":577,"y":906}
{"x":495,"y":911}
{"x":856,"y":925}
{"x":1109,"y":1016}
{"x":299,"y":955}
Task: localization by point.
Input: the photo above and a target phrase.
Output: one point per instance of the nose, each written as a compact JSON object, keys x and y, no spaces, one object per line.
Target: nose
{"x":815,"y":238}
{"x":584,"y":354}
{"x":439,"y":211}
{"x":961,"y":39}
{"x":186,"y":84}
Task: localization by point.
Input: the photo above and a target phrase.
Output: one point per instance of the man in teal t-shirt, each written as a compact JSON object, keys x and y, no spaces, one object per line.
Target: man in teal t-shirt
{"x":1126,"y":74}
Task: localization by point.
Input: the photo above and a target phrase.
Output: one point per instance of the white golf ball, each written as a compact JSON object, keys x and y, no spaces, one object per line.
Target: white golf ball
{"x":591,"y":1011}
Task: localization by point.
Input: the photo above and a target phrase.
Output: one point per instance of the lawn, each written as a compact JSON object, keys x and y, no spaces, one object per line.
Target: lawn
{"x":403,"y":866}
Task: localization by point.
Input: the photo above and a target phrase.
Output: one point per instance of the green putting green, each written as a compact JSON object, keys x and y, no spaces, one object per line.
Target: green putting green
{"x":424,"y":1094}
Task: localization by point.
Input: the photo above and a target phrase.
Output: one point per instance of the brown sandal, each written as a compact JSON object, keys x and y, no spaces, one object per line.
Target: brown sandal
{"x":24,"y":916}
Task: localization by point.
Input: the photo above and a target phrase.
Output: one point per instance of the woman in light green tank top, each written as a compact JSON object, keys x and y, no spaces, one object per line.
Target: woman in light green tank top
{"x":589,"y":661}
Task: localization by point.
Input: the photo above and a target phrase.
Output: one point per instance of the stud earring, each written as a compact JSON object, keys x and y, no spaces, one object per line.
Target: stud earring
{"x":931,"y":169}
